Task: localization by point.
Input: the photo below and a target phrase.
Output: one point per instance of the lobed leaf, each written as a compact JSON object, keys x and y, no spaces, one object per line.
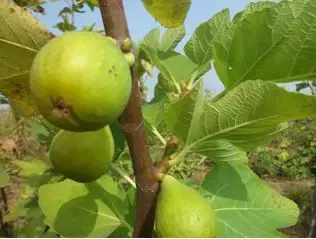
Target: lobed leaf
{"x":245,"y":117}
{"x":83,"y":210}
{"x":199,"y":47}
{"x":245,"y":206}
{"x":268,"y":41}
{"x":21,"y":36}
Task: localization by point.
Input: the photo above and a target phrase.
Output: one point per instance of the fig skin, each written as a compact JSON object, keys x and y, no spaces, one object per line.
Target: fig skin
{"x":80,"y":81}
{"x":82,"y":156}
{"x":182,"y":212}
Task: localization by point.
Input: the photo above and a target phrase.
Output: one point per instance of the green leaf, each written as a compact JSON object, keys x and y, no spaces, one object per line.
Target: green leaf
{"x":23,"y":208}
{"x":130,"y":216}
{"x":272,"y":42}
{"x":4,"y":178}
{"x":21,"y":36}
{"x":32,"y":167}
{"x":153,"y":111}
{"x":245,"y":206}
{"x":170,"y":13}
{"x":130,"y":201}
{"x":152,"y":38}
{"x":169,"y":41}
{"x":157,"y":52}
{"x":199,"y":47}
{"x":119,"y":139}
{"x":245,"y":117}
{"x":83,"y":210}
{"x":44,"y":130}
{"x":171,"y":38}
{"x":174,"y":67}
{"x":35,"y":228}
{"x":153,"y":117}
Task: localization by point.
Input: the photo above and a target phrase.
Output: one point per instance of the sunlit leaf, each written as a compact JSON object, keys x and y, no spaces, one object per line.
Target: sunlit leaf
{"x":34,"y":167}
{"x":21,"y":36}
{"x":245,"y":117}
{"x":83,"y":210}
{"x":271,"y":42}
{"x":170,"y":13}
{"x":245,"y":206}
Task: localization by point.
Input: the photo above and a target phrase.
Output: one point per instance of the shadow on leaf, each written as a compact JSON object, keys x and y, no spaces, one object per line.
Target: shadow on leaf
{"x":114,"y":203}
{"x":69,"y":220}
{"x":225,"y":180}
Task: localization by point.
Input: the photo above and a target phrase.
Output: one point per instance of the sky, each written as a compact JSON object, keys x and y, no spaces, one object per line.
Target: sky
{"x":140,"y":23}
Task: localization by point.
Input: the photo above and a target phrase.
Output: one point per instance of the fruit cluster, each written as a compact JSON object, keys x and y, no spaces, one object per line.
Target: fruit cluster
{"x":81,"y":83}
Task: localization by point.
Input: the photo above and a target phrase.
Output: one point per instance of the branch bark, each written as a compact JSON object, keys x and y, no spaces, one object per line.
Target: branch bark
{"x":132,"y":123}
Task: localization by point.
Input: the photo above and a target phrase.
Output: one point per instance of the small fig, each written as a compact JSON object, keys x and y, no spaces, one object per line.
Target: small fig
{"x":80,"y":81}
{"x":130,"y":58}
{"x":126,"y":45}
{"x":182,"y":212}
{"x":82,"y":156}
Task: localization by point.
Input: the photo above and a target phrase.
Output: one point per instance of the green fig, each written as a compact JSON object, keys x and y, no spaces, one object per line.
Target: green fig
{"x":126,"y":45}
{"x":130,"y":58}
{"x":80,"y":81}
{"x":82,"y":156}
{"x":183,"y":212}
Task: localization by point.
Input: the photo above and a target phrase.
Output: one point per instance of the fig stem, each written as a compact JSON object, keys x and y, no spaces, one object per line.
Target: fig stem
{"x":132,"y":123}
{"x":123,"y":175}
{"x":159,"y":136}
{"x":167,"y":160}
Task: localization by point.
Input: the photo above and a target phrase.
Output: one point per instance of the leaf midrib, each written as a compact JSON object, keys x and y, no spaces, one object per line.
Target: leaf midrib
{"x":18,"y":45}
{"x":196,"y":143}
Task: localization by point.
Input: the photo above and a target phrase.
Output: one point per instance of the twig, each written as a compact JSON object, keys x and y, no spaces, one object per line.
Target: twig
{"x":132,"y":123}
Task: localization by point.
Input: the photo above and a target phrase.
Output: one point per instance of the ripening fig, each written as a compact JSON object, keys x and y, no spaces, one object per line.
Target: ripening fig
{"x":80,"y":81}
{"x":183,"y":212}
{"x":82,"y":156}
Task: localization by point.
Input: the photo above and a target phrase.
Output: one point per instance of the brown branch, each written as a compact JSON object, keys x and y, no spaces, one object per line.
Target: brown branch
{"x":132,"y":123}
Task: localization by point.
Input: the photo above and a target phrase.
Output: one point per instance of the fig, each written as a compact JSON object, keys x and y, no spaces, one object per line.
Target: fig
{"x":80,"y":81}
{"x":130,"y":58}
{"x":183,"y":212}
{"x":126,"y":45}
{"x":82,"y":156}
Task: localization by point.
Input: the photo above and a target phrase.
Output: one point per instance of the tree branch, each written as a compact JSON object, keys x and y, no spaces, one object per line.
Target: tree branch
{"x":132,"y":123}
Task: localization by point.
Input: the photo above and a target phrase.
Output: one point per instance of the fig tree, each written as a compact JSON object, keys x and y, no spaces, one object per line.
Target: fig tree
{"x":82,"y":156}
{"x":183,"y":212}
{"x":80,"y":81}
